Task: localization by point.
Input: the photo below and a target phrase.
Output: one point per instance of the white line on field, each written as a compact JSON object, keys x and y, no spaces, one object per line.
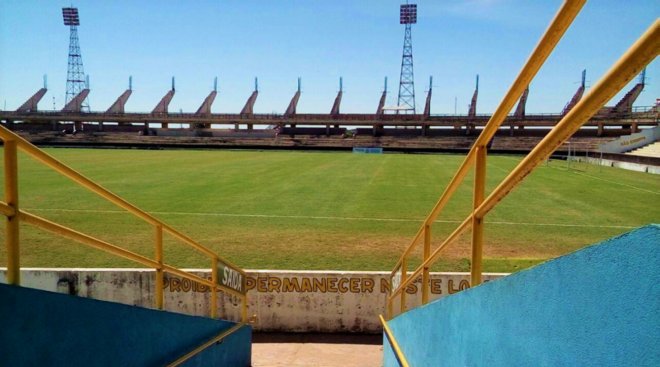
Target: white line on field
{"x":599,"y":178}
{"x":330,"y":218}
{"x":619,"y":183}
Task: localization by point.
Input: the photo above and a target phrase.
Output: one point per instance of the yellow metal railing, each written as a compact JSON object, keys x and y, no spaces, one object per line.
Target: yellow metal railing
{"x":216,"y":339}
{"x":625,"y":69}
{"x":225,"y":276}
{"x":396,"y":348}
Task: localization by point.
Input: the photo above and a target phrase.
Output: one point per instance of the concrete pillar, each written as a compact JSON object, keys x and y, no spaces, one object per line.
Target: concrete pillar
{"x":600,"y":129}
{"x":634,"y":127}
{"x":378,"y":130}
{"x":468,"y":128}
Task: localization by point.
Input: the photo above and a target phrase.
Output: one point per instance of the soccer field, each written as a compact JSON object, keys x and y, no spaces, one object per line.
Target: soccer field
{"x":328,"y":210}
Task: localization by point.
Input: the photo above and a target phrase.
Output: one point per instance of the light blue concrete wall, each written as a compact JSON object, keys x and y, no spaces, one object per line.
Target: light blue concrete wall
{"x":39,"y":328}
{"x":599,"y":306}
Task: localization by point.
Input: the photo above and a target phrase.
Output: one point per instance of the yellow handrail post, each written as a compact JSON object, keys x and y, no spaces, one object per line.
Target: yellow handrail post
{"x":214,"y":289}
{"x":390,"y":305}
{"x":158,"y":237}
{"x":404,"y":277}
{"x":478,"y":222}
{"x":426,"y":284}
{"x":12,"y":223}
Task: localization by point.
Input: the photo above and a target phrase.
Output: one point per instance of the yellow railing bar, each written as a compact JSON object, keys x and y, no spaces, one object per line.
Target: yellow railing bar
{"x":395,"y":346}
{"x":6,"y":210}
{"x":408,"y":249}
{"x":640,"y":54}
{"x":12,"y":221}
{"x":48,"y":160}
{"x":63,"y":231}
{"x":477,"y":221}
{"x":426,"y":276}
{"x":189,"y":241}
{"x":214,"y":279}
{"x":434,"y":256}
{"x":75,"y":176}
{"x":13,"y":141}
{"x":547,"y":43}
{"x":207,"y":344}
{"x":184,"y":274}
{"x":85,"y":239}
{"x":158,"y":244}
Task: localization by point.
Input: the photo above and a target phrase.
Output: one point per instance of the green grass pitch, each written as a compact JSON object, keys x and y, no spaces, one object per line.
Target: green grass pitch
{"x":318,"y":210}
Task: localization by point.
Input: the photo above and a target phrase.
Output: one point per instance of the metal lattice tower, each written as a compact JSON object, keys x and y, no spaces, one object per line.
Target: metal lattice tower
{"x":406,"y":101}
{"x":75,"y":76}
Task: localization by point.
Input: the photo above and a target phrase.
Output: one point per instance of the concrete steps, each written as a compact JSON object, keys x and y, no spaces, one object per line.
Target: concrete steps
{"x":651,"y":150}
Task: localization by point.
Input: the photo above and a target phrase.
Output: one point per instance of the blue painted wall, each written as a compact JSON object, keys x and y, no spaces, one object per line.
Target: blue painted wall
{"x":39,"y":328}
{"x":599,"y":306}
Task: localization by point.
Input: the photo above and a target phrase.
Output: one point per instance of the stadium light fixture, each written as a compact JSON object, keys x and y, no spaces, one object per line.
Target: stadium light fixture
{"x":408,"y":14}
{"x":70,"y":16}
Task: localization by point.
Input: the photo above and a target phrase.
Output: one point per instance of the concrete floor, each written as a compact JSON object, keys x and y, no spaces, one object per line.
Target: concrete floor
{"x":321,"y":350}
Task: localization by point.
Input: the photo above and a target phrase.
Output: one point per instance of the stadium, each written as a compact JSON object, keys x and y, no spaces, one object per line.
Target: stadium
{"x":340,"y":238}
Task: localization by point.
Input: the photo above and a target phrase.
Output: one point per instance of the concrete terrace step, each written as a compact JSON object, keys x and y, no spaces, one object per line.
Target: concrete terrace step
{"x":651,"y":150}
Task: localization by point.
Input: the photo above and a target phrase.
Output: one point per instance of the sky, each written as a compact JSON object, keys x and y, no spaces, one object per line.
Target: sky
{"x":319,"y":41}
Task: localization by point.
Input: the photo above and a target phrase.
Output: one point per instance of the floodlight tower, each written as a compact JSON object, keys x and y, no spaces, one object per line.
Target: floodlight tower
{"x":406,"y":101}
{"x":75,"y":76}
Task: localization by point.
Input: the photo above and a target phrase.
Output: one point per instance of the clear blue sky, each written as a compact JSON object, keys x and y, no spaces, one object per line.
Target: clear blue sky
{"x":316,"y":40}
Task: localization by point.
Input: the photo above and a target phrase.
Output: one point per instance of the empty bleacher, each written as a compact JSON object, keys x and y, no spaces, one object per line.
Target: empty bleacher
{"x":449,"y":141}
{"x":650,"y":150}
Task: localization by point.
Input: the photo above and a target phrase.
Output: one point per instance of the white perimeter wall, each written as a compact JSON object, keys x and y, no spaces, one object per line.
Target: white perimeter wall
{"x":287,"y":301}
{"x":633,"y":141}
